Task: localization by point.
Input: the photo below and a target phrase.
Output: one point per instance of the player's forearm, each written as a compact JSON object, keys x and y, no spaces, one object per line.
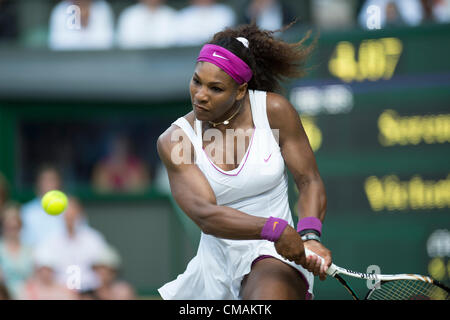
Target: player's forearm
{"x":228,"y":223}
{"x":312,"y":201}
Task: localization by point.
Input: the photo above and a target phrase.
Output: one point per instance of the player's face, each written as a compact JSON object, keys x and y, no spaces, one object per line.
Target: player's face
{"x":213,"y":92}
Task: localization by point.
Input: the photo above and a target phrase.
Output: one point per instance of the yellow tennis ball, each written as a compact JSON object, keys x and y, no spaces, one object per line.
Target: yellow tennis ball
{"x":54,"y":202}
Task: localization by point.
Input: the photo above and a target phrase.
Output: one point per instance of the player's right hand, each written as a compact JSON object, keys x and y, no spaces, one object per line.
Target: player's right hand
{"x":290,"y":246}
{"x":313,"y":263}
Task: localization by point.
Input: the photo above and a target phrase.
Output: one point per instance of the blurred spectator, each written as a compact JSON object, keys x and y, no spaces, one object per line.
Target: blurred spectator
{"x":427,"y":6}
{"x":149,"y":23}
{"x":268,"y":14}
{"x":37,"y":225}
{"x":8,"y":20}
{"x":4,"y":193}
{"x":200,"y":20}
{"x":106,"y":266}
{"x":74,"y":250}
{"x":161,"y":181}
{"x":81,"y":25}
{"x":440,"y":10}
{"x":120,"y":170}
{"x":4,"y":294}
{"x":392,"y":13}
{"x":42,"y":285}
{"x":15,"y":258}
{"x":332,"y":14}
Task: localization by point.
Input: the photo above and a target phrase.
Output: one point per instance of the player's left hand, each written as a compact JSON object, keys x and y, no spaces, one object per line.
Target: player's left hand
{"x":313,"y":263}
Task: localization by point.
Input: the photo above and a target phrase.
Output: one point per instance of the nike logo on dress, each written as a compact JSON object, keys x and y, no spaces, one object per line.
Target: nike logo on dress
{"x":265,"y":160}
{"x":218,"y":56}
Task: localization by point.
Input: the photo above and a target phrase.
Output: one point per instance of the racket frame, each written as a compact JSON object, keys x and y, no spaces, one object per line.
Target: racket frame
{"x":335,"y":272}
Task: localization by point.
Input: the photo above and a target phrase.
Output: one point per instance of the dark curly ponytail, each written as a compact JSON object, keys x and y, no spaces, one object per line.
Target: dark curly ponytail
{"x":271,"y":60}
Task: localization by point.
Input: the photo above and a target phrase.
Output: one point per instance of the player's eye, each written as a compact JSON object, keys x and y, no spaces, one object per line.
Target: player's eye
{"x":217,"y":89}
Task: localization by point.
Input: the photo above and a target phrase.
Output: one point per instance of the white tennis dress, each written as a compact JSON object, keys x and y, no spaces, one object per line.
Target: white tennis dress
{"x":258,"y":186}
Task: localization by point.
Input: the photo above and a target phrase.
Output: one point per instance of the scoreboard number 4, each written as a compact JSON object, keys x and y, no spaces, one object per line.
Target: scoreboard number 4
{"x":377,"y":59}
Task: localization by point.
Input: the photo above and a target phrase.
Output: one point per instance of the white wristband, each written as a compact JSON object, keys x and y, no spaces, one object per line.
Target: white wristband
{"x":310,"y":236}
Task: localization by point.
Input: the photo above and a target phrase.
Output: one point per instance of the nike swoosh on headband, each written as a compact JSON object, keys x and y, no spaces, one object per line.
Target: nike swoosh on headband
{"x":219,"y":56}
{"x":234,"y":66}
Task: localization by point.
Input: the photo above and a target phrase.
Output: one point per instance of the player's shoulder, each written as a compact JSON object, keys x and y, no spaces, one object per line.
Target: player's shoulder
{"x":279,"y":110}
{"x":165,"y":139}
{"x":173,"y":137}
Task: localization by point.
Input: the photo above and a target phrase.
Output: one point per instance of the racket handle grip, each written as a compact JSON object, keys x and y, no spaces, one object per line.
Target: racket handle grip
{"x":331,"y":269}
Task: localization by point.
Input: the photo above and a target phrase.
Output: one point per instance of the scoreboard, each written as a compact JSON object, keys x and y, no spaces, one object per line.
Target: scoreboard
{"x":376,"y":109}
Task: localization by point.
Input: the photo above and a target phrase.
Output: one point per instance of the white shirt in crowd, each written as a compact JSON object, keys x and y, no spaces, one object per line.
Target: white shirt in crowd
{"x":271,"y":18}
{"x":197,"y":24}
{"x":36,"y":224}
{"x":66,"y":33}
{"x":142,"y":27}
{"x":410,"y":11}
{"x":71,"y":258}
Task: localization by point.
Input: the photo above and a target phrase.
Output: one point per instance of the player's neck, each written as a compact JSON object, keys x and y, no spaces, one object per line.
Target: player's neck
{"x":233,"y":119}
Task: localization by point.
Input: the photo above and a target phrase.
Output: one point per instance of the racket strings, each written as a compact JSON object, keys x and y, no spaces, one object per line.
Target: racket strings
{"x":408,"y":290}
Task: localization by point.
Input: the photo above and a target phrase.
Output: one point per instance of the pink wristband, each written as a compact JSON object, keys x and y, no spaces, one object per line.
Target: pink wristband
{"x":310,"y":223}
{"x":273,"y":229}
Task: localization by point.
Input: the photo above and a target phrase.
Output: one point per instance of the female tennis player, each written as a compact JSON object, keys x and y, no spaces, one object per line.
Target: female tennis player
{"x":237,"y":193}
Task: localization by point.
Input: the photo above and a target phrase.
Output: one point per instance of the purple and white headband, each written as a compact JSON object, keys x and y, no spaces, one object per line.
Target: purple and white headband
{"x":234,"y":66}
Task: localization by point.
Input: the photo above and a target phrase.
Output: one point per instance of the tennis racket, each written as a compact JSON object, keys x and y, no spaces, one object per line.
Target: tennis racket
{"x":391,"y":286}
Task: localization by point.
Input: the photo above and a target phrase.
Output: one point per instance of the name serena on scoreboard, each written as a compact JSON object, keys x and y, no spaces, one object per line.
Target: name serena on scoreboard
{"x":389,"y":192}
{"x":395,"y":129}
